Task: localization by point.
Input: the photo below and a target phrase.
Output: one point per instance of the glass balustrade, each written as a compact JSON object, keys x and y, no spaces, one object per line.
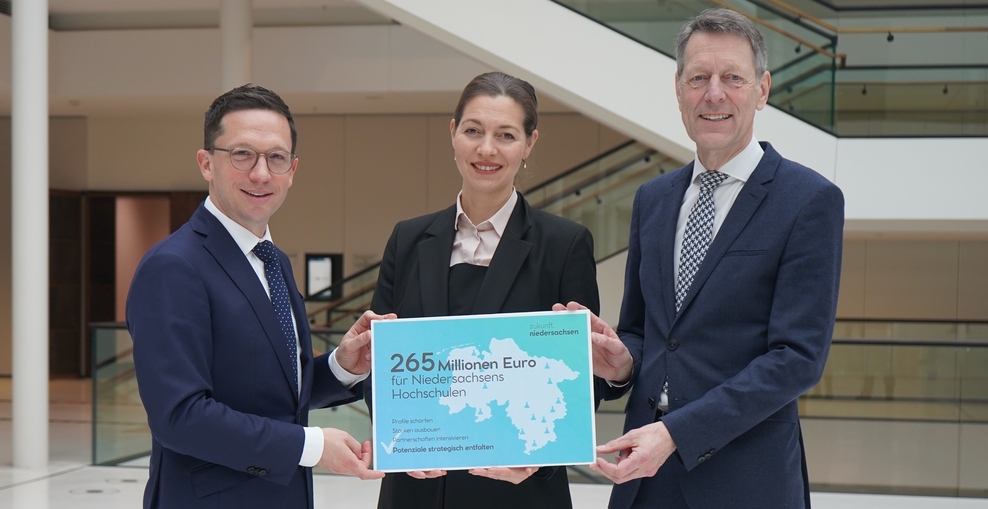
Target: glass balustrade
{"x":120,"y":428}
{"x":915,"y":92}
{"x":907,"y":377}
{"x":904,"y":370}
{"x":356,"y":292}
{"x":901,"y":371}
{"x":352,"y":418}
{"x":910,"y":101}
{"x":801,"y":56}
{"x":599,"y":194}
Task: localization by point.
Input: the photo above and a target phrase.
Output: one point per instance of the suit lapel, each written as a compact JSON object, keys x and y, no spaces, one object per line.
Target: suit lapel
{"x":747,"y":202}
{"x":670,"y":203}
{"x":301,"y":325}
{"x":508,"y":258}
{"x":228,"y":255}
{"x":433,"y":261}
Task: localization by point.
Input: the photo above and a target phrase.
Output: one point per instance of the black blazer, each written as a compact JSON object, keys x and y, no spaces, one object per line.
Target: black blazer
{"x":540,"y":260}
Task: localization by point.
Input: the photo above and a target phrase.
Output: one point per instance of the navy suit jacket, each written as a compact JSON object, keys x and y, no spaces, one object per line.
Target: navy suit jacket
{"x":752,"y":334}
{"x":215,"y":376}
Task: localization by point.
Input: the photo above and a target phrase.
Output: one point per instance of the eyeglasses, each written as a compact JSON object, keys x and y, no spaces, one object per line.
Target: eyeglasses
{"x":245,"y":159}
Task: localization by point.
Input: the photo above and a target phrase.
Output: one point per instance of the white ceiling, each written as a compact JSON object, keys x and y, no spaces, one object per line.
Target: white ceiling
{"x":102,"y":15}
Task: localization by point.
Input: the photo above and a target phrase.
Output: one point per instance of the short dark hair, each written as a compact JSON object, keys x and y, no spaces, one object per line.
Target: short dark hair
{"x":723,"y":21}
{"x":497,"y":84}
{"x":245,"y":97}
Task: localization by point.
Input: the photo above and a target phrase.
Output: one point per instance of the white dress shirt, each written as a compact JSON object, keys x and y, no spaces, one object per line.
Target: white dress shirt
{"x":738,"y":170}
{"x":246,"y":240}
{"x":475,"y":244}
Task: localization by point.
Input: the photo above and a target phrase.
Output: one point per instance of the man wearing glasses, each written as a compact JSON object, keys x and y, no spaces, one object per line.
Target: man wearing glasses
{"x":222,"y":351}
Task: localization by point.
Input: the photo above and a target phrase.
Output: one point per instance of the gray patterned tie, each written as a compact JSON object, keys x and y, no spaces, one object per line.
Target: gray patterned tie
{"x":699,"y":229}
{"x":266,"y":251}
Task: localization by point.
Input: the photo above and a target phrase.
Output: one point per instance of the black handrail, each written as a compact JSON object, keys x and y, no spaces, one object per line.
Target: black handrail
{"x":933,"y":5}
{"x":599,"y":177}
{"x":831,"y":38}
{"x":796,"y":20}
{"x":580,"y":166}
{"x":910,"y":320}
{"x":977,"y":343}
{"x":338,"y":286}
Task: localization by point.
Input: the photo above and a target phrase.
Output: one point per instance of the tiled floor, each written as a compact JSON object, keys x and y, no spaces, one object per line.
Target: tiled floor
{"x":69,"y":481}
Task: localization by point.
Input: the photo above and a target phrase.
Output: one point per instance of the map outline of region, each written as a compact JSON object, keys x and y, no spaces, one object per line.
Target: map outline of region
{"x":545,"y":407}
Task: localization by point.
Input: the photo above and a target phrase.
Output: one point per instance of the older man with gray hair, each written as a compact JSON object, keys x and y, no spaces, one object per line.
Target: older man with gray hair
{"x":730,"y":298}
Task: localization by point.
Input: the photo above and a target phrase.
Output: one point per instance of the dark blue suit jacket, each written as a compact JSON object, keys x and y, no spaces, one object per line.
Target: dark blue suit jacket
{"x":752,"y":334}
{"x":215,"y":376}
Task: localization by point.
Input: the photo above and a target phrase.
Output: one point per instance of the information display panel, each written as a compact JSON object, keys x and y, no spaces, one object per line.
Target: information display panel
{"x":505,"y":390}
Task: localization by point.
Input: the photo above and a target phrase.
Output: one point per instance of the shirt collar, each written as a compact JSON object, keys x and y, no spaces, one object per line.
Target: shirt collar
{"x":740,"y":166}
{"x":500,"y":218}
{"x":244,"y":238}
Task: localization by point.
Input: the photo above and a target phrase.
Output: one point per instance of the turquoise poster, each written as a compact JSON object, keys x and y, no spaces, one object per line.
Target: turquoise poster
{"x":506,"y":390}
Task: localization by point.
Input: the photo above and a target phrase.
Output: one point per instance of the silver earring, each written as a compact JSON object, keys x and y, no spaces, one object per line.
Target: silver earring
{"x":524,"y":164}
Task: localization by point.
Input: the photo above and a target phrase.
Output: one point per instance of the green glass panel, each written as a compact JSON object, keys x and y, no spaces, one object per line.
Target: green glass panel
{"x":944,"y":93}
{"x":800,"y":56}
{"x":907,"y":375}
{"x":120,"y":429}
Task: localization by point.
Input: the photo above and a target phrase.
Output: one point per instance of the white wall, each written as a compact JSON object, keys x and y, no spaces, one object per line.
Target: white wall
{"x":149,"y":153}
{"x":914,"y":178}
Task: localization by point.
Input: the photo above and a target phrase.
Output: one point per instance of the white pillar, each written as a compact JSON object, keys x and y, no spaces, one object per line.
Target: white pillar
{"x":29,"y":231}
{"x":236,"y":24}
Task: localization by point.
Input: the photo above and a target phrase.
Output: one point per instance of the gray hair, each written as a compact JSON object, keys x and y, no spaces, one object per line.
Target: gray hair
{"x":723,"y":21}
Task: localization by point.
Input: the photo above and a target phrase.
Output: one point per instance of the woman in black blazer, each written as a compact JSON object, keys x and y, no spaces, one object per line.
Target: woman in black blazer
{"x":488,"y":253}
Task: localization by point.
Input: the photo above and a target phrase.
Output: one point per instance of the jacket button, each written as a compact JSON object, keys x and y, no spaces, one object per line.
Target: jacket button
{"x":262,"y":472}
{"x":651,"y":402}
{"x":672,"y":344}
{"x":252,"y":470}
{"x":701,"y":459}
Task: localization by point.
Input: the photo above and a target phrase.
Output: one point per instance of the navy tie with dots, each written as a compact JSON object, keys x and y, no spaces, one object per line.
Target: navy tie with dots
{"x":266,"y":251}
{"x":699,"y":230}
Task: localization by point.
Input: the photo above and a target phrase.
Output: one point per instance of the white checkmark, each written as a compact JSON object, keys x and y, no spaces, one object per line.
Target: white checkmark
{"x":389,"y":448}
